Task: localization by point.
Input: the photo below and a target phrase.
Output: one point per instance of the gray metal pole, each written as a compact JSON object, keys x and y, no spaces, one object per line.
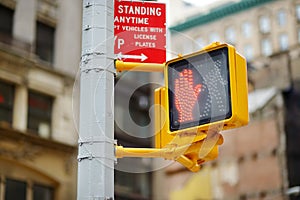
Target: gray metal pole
{"x":96,"y":125}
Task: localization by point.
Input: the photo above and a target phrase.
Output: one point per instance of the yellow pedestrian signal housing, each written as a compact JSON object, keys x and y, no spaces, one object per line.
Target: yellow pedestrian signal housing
{"x":204,"y":90}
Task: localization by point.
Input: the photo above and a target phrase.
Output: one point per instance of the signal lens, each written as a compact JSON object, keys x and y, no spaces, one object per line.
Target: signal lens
{"x":199,"y":89}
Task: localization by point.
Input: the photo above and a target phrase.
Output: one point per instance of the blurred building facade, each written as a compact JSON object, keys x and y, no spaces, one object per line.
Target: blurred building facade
{"x":40,"y":47}
{"x":39,"y":57}
{"x":187,"y":10}
{"x":261,"y":160}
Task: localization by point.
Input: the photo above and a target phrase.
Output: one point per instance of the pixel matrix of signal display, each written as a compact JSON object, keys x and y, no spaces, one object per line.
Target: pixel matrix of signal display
{"x":199,"y":90}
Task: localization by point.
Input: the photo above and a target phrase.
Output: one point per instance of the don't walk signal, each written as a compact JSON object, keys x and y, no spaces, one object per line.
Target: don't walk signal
{"x":198,"y":89}
{"x":206,"y":88}
{"x":205,"y":92}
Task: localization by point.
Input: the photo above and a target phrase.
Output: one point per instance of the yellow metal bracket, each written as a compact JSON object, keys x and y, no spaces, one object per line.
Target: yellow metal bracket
{"x":140,"y":67}
{"x":122,"y":152}
{"x":188,"y":155}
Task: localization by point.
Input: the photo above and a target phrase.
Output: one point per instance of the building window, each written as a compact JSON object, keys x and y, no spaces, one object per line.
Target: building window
{"x":45,"y":42}
{"x":214,"y":37}
{"x":42,"y":192}
{"x":266,"y":47}
{"x":248,"y":50}
{"x":298,"y":12}
{"x":230,"y":35}
{"x":264,"y":24}
{"x":283,"y":41}
{"x":7,"y":92}
{"x":15,"y":190}
{"x":281,"y":17}
{"x":132,"y":184}
{"x":6,"y":24}
{"x":247,"y":29}
{"x":39,"y":114}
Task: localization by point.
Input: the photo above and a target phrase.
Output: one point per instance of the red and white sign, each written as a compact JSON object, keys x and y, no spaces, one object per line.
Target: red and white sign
{"x":140,"y":31}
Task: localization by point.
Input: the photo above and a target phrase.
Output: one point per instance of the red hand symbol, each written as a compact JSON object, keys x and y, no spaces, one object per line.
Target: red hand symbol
{"x":186,"y":95}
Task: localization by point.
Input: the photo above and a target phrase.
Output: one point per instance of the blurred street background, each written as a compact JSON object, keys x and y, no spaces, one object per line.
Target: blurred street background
{"x":40,"y":48}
